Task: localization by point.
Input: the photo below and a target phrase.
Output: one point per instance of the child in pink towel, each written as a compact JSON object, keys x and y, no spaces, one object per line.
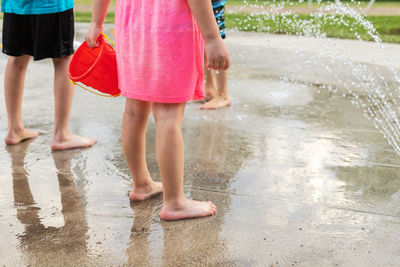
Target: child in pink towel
{"x":160,"y":51}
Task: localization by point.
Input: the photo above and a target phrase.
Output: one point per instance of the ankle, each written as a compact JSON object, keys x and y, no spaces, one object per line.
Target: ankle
{"x":209,"y":90}
{"x":61,"y":135}
{"x":226,"y":97}
{"x":143,"y":184}
{"x":223,"y":94}
{"x":16,"y":128}
{"x":175,"y":203}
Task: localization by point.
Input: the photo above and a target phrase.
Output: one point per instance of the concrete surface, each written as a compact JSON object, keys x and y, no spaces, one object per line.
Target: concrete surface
{"x":300,"y":177}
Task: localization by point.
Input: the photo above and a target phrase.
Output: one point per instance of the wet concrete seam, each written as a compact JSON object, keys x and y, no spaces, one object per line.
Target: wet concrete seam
{"x":362,"y":131}
{"x":364,"y":211}
{"x":384,"y":164}
{"x":241,"y":195}
{"x":287,"y":200}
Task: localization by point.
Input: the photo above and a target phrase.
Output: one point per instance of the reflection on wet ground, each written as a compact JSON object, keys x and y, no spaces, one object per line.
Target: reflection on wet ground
{"x":38,"y":241}
{"x":299,"y":177}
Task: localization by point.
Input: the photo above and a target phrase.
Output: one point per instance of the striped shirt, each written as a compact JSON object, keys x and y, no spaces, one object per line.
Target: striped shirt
{"x":219,"y":13}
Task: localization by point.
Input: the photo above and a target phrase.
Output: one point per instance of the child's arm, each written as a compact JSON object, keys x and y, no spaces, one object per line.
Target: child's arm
{"x":99,"y":11}
{"x":215,"y":49}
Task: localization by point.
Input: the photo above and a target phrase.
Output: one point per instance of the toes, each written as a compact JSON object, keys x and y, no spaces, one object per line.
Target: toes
{"x":92,"y":142}
{"x":89,"y":142}
{"x":211,"y":205}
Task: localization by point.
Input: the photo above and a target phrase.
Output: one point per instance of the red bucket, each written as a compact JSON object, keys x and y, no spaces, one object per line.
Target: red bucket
{"x":96,"y":68}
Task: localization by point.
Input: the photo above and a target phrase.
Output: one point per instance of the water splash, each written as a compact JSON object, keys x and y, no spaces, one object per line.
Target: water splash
{"x":367,"y":88}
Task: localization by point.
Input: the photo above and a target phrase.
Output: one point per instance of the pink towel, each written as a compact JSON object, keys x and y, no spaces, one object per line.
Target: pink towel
{"x":160,"y":51}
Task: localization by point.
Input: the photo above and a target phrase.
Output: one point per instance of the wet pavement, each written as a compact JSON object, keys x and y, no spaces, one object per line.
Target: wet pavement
{"x":300,"y":177}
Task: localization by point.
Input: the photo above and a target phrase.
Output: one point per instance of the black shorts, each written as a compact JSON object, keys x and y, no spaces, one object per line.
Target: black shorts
{"x":41,"y":36}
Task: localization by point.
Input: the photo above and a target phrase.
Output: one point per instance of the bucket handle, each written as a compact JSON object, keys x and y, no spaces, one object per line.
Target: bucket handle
{"x":105,"y":36}
{"x":93,"y":92}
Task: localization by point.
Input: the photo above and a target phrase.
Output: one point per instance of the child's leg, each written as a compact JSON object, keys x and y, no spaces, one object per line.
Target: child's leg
{"x":222,"y":98}
{"x":169,"y":144}
{"x":209,"y":86}
{"x":13,"y":91}
{"x":134,"y":125}
{"x":222,"y":83}
{"x":63,"y":95}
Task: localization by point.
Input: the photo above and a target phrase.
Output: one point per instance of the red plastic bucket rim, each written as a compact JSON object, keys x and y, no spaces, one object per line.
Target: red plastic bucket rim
{"x":100,"y":54}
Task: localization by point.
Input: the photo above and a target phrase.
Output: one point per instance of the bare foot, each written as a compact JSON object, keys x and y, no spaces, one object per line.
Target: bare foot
{"x":217,"y":102}
{"x":202,"y":101}
{"x":71,"y":142}
{"x":187,"y":209}
{"x":142,"y":193}
{"x":210,"y":94}
{"x":16,"y":137}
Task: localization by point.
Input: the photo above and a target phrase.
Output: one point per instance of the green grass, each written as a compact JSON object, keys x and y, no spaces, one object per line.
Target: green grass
{"x":384,"y":3}
{"x":393,"y":3}
{"x":388,"y":27}
{"x":86,"y":17}
{"x":89,"y":2}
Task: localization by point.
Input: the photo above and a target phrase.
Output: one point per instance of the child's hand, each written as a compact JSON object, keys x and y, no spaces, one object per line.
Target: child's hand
{"x":217,"y":54}
{"x":93,"y":34}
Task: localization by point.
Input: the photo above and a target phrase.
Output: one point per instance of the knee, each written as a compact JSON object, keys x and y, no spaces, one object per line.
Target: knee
{"x":138,"y":113}
{"x":167,"y":124}
{"x":62,"y":61}
{"x":19,"y":62}
{"x":169,"y":115}
{"x":135,"y":114}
